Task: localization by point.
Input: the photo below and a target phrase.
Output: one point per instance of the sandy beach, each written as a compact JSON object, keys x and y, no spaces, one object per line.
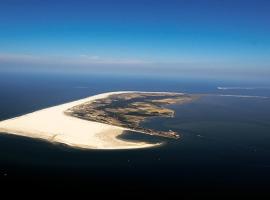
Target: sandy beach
{"x":53,"y":125}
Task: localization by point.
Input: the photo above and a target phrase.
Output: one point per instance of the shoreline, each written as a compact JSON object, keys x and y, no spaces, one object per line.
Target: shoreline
{"x":53,"y":125}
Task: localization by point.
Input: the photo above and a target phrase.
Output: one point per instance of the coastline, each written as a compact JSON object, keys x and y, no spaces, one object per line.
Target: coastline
{"x":53,"y":125}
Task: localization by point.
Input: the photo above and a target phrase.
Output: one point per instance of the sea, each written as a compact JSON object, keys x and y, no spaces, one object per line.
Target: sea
{"x":224,"y":144}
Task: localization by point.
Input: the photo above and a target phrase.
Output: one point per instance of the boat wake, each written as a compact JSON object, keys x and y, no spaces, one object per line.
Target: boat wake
{"x":243,"y":88}
{"x":243,"y":96}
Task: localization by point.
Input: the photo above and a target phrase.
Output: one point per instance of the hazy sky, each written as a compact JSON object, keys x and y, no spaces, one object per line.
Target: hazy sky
{"x":171,"y":36}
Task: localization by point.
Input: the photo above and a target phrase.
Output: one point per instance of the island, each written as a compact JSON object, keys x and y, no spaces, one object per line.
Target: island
{"x":128,"y":110}
{"x":96,"y":122}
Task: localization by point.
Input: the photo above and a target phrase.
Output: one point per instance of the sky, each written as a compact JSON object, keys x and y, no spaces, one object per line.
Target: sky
{"x":203,"y":37}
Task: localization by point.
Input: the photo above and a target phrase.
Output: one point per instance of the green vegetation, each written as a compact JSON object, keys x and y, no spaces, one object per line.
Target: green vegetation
{"x":130,"y":109}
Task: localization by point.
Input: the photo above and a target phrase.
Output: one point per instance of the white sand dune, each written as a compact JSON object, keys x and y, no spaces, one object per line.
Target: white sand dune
{"x":53,"y":125}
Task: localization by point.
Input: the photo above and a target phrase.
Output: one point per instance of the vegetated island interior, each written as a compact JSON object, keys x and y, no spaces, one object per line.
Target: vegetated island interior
{"x":128,"y":110}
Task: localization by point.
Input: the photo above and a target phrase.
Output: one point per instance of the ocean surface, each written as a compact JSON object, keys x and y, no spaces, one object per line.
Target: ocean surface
{"x":225,"y":135}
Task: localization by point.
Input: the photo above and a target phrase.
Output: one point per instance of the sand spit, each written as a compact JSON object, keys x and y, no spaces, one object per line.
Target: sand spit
{"x":53,"y":125}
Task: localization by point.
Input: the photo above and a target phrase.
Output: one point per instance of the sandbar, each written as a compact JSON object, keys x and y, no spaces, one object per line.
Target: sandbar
{"x":53,"y":125}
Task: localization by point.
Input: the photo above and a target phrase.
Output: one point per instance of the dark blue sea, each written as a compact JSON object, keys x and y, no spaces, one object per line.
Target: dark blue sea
{"x":224,"y":145}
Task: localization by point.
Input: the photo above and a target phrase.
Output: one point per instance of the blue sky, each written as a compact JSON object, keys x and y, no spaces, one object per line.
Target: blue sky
{"x":221,"y":36}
